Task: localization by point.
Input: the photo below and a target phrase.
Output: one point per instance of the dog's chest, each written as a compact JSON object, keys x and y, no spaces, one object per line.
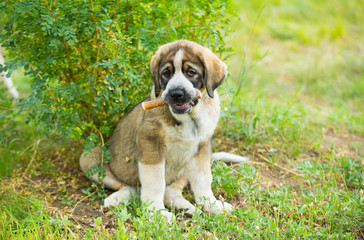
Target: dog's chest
{"x":183,"y":140}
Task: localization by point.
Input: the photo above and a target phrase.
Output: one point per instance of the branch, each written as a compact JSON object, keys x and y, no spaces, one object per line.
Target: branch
{"x":113,"y":19}
{"x":97,"y":38}
{"x":69,"y":59}
{"x":169,"y":25}
{"x":280,"y":167}
{"x":102,"y":153}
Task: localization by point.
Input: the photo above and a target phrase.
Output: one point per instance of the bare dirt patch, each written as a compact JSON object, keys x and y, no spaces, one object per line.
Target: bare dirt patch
{"x":350,"y":145}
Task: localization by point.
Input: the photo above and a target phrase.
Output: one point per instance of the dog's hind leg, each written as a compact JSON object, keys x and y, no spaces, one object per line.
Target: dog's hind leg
{"x":91,"y":160}
{"x":173,"y":196}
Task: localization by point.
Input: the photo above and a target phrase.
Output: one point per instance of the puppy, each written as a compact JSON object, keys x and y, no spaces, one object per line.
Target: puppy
{"x":166,"y":148}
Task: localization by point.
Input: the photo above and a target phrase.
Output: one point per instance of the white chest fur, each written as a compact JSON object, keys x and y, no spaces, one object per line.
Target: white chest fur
{"x":183,"y":140}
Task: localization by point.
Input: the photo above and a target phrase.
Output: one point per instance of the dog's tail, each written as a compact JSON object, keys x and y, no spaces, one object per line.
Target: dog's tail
{"x":229,"y":157}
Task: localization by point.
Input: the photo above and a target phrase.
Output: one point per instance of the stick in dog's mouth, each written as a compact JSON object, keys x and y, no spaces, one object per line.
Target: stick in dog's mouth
{"x":159,"y":102}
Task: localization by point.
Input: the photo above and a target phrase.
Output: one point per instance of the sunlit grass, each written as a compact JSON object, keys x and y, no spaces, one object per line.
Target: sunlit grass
{"x":322,"y":69}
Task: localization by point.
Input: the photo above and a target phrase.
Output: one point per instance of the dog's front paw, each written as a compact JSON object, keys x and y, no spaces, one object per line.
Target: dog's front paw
{"x":168,"y":216}
{"x":117,"y":197}
{"x":113,"y":200}
{"x":218,"y":207}
{"x":180,"y":203}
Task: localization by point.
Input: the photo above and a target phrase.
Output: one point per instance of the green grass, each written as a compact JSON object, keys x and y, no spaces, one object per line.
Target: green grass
{"x":325,"y":210}
{"x":27,"y":218}
{"x":299,"y":108}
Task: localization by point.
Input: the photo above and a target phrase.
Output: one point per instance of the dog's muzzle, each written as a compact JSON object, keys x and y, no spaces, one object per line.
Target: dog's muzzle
{"x":180,"y":101}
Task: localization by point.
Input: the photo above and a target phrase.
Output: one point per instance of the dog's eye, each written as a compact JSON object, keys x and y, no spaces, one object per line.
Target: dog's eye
{"x":166,"y":73}
{"x":191,"y":72}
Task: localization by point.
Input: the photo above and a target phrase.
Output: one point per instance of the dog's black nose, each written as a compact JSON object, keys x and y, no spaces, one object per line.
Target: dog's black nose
{"x":177,"y":94}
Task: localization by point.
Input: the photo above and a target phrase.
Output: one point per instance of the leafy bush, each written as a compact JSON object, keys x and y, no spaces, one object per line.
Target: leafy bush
{"x":89,"y":60}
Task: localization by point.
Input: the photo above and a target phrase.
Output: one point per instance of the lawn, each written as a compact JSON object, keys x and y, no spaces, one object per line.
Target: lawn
{"x":293,"y":103}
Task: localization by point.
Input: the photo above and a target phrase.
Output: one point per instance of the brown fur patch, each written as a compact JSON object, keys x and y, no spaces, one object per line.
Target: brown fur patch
{"x":150,"y":142}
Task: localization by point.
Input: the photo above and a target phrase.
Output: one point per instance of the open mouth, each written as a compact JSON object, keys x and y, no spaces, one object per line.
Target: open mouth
{"x":184,"y":107}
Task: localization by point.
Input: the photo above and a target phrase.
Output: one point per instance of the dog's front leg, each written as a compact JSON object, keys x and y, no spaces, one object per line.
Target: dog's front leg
{"x":200,"y":178}
{"x":153,"y":184}
{"x":153,"y":187}
{"x":151,"y":167}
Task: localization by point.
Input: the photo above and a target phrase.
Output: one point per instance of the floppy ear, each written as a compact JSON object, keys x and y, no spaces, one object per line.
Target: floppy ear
{"x":154,"y":70}
{"x":215,"y":71}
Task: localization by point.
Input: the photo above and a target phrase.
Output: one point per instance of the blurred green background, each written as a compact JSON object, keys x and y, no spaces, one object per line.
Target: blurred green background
{"x":300,"y":69}
{"x":313,"y":47}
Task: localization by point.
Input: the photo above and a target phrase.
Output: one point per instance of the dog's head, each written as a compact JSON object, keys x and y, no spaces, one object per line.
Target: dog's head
{"x":179,"y":69}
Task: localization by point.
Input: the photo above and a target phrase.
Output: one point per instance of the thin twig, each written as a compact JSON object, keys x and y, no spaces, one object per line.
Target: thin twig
{"x":280,"y":167}
{"x":113,"y":19}
{"x":31,"y":145}
{"x":35,"y":184}
{"x":93,"y":13}
{"x":49,"y":9}
{"x":9,"y":109}
{"x":69,"y":59}
{"x":96,"y":74}
{"x":256,"y":163}
{"x":81,"y":201}
{"x":31,"y":161}
{"x":169,"y":25}
{"x":102,"y":152}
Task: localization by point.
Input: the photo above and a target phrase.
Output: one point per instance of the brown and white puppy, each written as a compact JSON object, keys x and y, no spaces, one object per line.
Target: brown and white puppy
{"x":165,"y":148}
